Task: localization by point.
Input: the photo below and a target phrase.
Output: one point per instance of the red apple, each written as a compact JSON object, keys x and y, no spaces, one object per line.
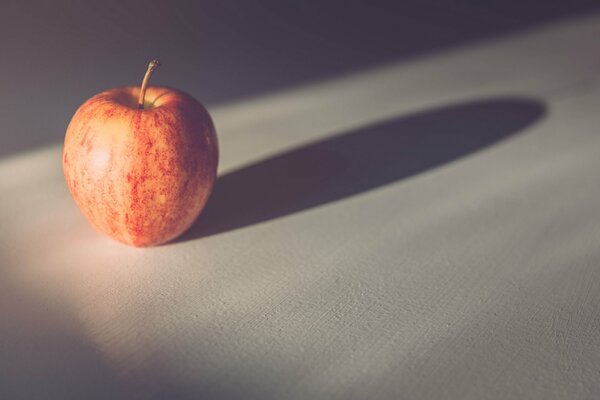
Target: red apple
{"x":141,"y":162}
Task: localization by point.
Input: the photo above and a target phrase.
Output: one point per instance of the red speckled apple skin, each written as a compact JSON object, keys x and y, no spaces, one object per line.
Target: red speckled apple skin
{"x":141,"y":176}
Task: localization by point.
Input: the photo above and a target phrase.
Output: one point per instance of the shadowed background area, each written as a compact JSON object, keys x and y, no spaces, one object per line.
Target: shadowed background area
{"x":358,"y":161}
{"x":57,"y":54}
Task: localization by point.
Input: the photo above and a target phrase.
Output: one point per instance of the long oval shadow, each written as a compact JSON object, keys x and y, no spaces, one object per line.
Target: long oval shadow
{"x":360,"y":160}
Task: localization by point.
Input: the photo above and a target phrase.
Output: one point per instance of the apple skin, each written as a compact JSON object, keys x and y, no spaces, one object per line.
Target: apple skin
{"x":141,"y":176}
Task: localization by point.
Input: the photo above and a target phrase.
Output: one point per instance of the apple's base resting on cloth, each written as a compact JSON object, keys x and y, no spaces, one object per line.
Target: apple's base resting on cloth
{"x":141,"y":176}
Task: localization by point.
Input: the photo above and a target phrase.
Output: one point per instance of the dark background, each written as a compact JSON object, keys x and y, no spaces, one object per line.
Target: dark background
{"x":57,"y":54}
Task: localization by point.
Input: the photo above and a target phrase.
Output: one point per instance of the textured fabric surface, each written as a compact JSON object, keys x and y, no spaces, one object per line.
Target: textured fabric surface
{"x":420,"y":229}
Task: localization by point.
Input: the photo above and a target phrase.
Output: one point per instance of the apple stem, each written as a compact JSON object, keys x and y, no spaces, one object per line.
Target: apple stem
{"x":152,"y":65}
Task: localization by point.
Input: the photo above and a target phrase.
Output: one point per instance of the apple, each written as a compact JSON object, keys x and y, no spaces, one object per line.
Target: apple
{"x":141,"y":162}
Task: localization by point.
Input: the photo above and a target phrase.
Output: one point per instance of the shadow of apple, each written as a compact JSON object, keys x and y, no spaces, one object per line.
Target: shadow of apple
{"x":358,"y":161}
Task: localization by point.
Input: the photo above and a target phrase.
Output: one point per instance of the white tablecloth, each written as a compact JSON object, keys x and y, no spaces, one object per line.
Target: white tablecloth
{"x":423,"y":229}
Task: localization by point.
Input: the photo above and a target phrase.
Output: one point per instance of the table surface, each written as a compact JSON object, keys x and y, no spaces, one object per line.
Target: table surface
{"x":421,"y":227}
